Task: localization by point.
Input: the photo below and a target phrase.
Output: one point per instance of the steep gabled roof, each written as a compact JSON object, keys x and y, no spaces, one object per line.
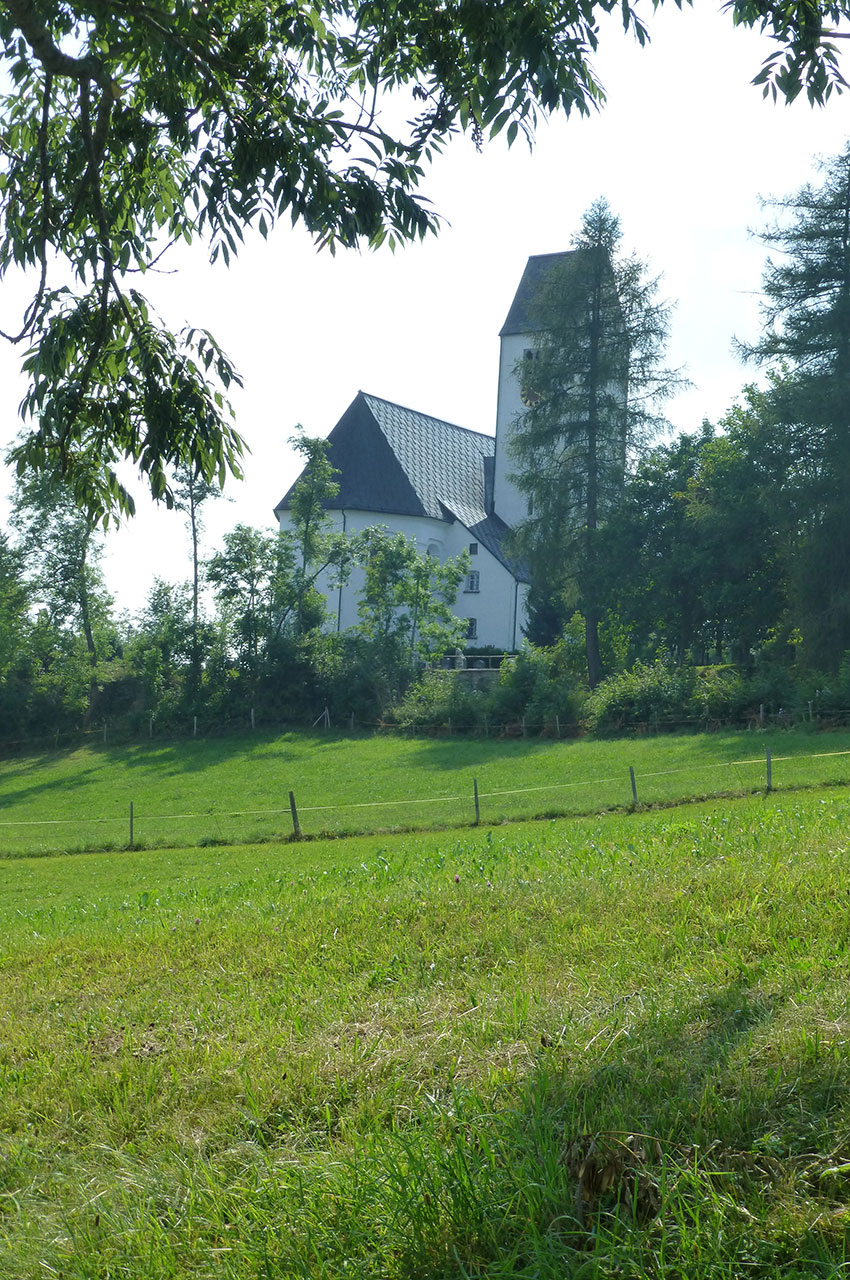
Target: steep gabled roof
{"x":520,"y":319}
{"x":571,"y":263}
{"x":395,"y":461}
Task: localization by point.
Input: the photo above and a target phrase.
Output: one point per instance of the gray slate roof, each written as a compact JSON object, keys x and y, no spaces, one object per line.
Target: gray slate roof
{"x":396,"y":461}
{"x":536,"y":270}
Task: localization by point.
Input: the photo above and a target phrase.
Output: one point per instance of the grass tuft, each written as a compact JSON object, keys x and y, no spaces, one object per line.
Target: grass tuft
{"x":606,"y":1047}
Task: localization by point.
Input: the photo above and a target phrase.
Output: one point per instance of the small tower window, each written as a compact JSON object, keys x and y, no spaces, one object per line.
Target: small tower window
{"x":472,"y":628}
{"x":473,"y":581}
{"x":473,"y":548}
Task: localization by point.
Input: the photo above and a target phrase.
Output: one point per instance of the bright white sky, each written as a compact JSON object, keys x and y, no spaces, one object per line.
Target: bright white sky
{"x":683,"y":150}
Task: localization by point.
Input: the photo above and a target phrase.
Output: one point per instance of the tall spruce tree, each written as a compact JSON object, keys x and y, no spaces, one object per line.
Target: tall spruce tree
{"x":806,"y":339}
{"x":591,"y":387}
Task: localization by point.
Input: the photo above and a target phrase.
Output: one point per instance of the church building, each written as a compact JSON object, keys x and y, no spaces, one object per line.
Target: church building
{"x":442,"y":485}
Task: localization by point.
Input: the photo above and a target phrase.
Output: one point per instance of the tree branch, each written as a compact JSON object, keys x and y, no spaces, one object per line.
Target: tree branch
{"x":51,"y":57}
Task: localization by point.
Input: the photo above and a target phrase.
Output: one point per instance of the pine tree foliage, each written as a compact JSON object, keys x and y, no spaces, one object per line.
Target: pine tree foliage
{"x":806,"y":343}
{"x":592,"y":387}
{"x":806,"y":311}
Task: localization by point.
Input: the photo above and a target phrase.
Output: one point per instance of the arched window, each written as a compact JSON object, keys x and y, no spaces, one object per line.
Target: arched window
{"x":473,"y":581}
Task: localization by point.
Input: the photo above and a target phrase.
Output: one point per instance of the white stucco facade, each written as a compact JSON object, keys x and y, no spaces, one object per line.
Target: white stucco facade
{"x":511,"y":505}
{"x":497,"y":604}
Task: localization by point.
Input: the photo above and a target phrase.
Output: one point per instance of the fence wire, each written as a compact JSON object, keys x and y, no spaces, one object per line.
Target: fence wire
{"x":458,"y":809}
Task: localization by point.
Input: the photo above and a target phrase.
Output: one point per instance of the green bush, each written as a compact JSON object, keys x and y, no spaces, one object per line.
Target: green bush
{"x":719,"y":696}
{"x":647,"y":696}
{"x":539,"y":685}
{"x":437,"y":698}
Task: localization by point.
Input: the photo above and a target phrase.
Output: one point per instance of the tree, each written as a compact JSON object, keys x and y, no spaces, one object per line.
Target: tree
{"x":660,"y":597}
{"x":14,"y":634}
{"x":164,"y":647}
{"x":14,"y":599}
{"x":405,"y":608}
{"x":132,"y":125}
{"x":63,"y":549}
{"x":806,"y":344}
{"x":591,"y":392}
{"x":191,"y":492}
{"x":244,"y":577}
{"x":311,"y":543}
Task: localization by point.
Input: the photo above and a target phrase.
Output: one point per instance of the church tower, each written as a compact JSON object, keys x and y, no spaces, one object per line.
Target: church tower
{"x":582,"y":285}
{"x":518,"y":337}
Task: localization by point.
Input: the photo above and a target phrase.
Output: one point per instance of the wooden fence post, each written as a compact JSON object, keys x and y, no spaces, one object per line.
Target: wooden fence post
{"x":558,"y":725}
{"x":769,"y":769}
{"x":634,"y":784}
{"x":296,"y":828}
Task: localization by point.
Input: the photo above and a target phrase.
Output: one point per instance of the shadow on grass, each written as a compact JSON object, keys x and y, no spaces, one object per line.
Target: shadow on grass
{"x":691,"y":1145}
{"x":447,"y":754}
{"x":62,"y":785}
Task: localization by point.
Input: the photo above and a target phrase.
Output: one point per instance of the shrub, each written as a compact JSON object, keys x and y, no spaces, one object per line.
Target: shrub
{"x":437,"y":698}
{"x":539,"y":685}
{"x":647,"y":696}
{"x":720,"y":693}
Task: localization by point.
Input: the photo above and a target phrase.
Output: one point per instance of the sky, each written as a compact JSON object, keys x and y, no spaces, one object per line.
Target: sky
{"x":683,"y":151}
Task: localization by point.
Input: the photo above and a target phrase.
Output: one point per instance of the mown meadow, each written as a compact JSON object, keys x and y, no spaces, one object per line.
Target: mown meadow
{"x":237,"y":789}
{"x":610,"y":1046}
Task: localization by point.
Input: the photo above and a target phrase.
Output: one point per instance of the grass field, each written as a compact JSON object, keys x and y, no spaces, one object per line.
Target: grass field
{"x":237,"y":789}
{"x":613,"y":1046}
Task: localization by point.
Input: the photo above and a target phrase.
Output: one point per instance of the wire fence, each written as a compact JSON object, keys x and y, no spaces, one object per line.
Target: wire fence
{"x":148,"y":729}
{"x":467,"y":804}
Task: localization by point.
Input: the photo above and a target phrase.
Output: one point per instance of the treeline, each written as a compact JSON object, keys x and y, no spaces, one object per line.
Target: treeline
{"x":709,"y":585}
{"x":242,"y":641}
{"x":727,"y":547}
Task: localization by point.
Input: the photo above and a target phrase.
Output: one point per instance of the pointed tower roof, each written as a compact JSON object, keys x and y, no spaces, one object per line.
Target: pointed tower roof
{"x":536,"y":270}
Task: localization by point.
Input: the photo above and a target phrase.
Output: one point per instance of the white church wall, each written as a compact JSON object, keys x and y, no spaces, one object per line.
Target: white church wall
{"x":498,"y":606}
{"x":509,"y":503}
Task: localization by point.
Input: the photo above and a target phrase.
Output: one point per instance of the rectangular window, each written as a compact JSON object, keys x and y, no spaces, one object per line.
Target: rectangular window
{"x":473,"y":548}
{"x":473,"y":581}
{"x":472,"y":629}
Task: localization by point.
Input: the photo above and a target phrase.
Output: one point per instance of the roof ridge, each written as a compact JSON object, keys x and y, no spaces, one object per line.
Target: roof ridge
{"x":556,"y":253}
{"x":485,"y":435}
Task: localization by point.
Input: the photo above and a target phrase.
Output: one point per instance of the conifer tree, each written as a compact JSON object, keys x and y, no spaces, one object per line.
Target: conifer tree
{"x":591,"y":389}
{"x":806,"y":340}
